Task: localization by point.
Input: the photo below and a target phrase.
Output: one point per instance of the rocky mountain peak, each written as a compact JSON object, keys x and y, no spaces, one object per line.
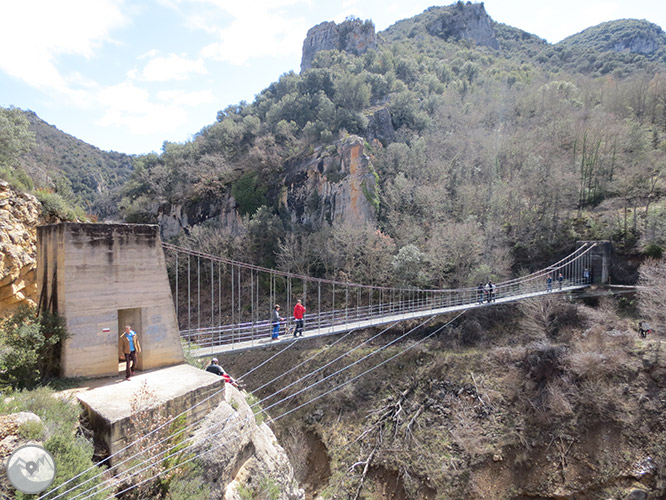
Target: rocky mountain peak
{"x":464,"y":21}
{"x":353,"y":36}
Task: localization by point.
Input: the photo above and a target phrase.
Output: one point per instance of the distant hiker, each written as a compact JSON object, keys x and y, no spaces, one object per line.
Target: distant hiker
{"x":586,"y":276}
{"x":490,"y":289}
{"x":549,"y":283}
{"x":479,"y":293}
{"x":493,"y":293}
{"x":275,"y":321}
{"x":644,"y":329}
{"x":131,"y":347}
{"x":215,"y":368}
{"x":560,"y":280}
{"x":299,"y":311}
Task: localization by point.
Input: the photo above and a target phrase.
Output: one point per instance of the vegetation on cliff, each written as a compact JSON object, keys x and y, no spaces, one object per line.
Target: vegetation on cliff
{"x":549,"y":400}
{"x":490,"y":158}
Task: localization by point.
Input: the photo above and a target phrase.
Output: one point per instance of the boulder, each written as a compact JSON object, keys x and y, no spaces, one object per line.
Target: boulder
{"x":242,"y":455}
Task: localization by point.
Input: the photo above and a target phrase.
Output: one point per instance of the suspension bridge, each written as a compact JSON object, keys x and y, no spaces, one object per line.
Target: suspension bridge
{"x":224,"y":305}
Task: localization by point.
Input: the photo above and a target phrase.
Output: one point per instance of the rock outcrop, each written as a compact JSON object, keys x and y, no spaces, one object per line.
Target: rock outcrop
{"x":638,"y":45}
{"x":464,"y":22}
{"x":246,"y":458}
{"x":10,"y":440}
{"x":19,"y":216}
{"x":173,"y":219}
{"x":335,"y":183}
{"x":353,"y":36}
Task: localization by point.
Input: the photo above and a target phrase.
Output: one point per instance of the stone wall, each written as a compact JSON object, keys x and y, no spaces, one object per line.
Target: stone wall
{"x":97,"y":276}
{"x":19,"y":216}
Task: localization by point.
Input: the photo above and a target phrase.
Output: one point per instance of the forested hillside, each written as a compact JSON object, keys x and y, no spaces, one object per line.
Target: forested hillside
{"x":64,"y":171}
{"x":485,"y":158}
{"x":444,"y":151}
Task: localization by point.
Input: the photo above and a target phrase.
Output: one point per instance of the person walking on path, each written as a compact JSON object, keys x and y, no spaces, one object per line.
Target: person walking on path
{"x":131,"y":347}
{"x":275,"y":321}
{"x":299,"y":311}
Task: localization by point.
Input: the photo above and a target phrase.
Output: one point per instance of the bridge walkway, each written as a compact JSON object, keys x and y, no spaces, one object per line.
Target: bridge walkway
{"x":266,"y":341}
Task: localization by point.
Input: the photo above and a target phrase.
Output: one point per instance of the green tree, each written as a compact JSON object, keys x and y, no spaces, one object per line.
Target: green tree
{"x":15,"y":136}
{"x":30,"y":348}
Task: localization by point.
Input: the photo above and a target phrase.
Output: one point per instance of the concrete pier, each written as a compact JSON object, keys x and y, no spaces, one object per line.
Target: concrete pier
{"x":174,"y":390}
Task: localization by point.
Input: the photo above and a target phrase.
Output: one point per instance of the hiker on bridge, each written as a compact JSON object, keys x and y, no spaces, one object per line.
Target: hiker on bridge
{"x":479,"y":293}
{"x":490,"y":291}
{"x":131,"y":347}
{"x":587,"y":276}
{"x":275,"y":321}
{"x":549,"y":283}
{"x":299,"y":311}
{"x":560,"y":280}
{"x":215,"y":368}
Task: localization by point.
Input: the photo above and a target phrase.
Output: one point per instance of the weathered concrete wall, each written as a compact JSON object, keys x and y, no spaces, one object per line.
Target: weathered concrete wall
{"x":162,"y":394}
{"x":600,"y":261}
{"x":88,"y":273}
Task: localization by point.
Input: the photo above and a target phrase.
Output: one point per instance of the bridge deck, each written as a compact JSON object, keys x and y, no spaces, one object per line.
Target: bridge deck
{"x":360,"y":325}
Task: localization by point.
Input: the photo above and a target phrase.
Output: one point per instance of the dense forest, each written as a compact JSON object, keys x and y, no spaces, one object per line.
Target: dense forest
{"x":491,"y":158}
{"x":487,"y":152}
{"x":486,"y":159}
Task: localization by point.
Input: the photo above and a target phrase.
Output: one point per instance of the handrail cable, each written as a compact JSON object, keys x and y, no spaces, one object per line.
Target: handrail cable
{"x":339,"y":386}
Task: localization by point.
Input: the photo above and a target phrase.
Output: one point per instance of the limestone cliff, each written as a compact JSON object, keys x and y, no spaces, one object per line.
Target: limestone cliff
{"x":464,"y":22}
{"x":335,"y":183}
{"x":250,"y":458}
{"x":353,"y":36}
{"x":19,"y":216}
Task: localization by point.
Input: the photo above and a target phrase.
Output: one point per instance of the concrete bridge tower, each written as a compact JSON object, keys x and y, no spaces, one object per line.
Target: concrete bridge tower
{"x":100,"y":277}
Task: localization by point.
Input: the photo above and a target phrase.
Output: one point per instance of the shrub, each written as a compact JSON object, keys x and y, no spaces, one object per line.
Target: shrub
{"x":248,"y":194}
{"x":60,"y":419}
{"x":653,"y":250}
{"x":54,"y":205}
{"x":30,"y":348}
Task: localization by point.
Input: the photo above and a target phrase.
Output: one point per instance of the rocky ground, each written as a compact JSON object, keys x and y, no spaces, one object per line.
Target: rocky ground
{"x":495,"y":408}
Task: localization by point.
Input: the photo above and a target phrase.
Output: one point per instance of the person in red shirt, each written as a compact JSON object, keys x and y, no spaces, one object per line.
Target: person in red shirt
{"x":299,"y":311}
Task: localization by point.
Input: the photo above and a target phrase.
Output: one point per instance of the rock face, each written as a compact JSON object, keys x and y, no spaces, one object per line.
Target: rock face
{"x":353,"y":36}
{"x":335,"y":184}
{"x":464,"y":22}
{"x":244,"y":456}
{"x":637,"y":45}
{"x":173,"y":219}
{"x":19,"y":216}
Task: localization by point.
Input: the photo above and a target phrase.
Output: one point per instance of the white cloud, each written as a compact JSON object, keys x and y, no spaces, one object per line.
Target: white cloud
{"x":183,"y":98}
{"x":42,"y":30}
{"x":172,"y":67}
{"x":249,"y":29}
{"x":129,"y":107}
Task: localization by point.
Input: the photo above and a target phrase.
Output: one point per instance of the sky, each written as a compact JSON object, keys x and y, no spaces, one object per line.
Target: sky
{"x":128,"y":75}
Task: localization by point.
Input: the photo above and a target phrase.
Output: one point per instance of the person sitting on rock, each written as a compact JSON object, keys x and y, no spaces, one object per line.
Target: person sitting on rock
{"x":214,"y":367}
